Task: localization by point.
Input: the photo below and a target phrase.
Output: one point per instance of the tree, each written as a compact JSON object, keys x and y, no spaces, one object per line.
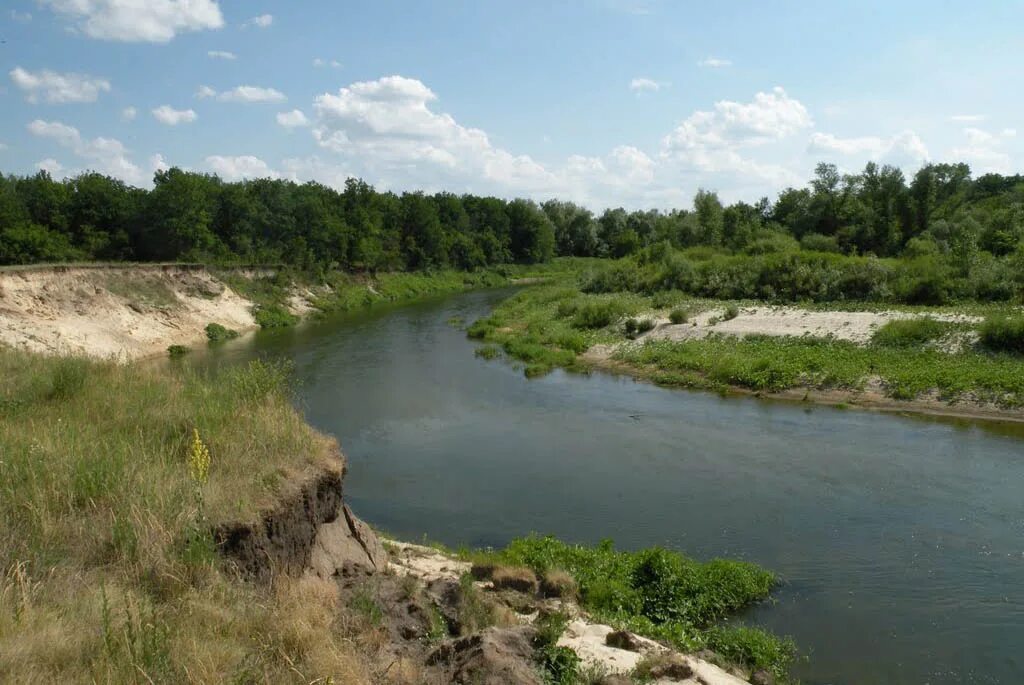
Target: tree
{"x":710,"y":217}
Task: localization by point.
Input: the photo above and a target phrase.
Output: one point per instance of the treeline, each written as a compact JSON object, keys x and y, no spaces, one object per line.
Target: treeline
{"x":942,"y":213}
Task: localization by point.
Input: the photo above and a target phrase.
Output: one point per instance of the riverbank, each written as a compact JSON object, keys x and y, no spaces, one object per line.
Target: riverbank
{"x":127,"y":312}
{"x":915,"y":360}
{"x":202,"y":525}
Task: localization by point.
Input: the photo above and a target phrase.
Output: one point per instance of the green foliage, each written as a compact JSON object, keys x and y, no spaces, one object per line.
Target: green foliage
{"x":559,"y":665}
{"x":637,"y":327}
{"x":174,"y":351}
{"x":488,"y":352}
{"x":598,"y":313}
{"x":731,"y":312}
{"x":216,"y":333}
{"x":909,"y":332}
{"x":679,"y":315}
{"x":275,"y":316}
{"x":1003,"y":334}
{"x":753,"y":648}
{"x":68,"y":377}
{"x":655,"y":592}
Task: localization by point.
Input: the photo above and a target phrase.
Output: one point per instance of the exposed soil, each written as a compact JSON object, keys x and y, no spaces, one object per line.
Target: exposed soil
{"x":120,"y":313}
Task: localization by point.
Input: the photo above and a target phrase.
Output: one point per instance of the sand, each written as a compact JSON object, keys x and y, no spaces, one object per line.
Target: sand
{"x":119,"y":313}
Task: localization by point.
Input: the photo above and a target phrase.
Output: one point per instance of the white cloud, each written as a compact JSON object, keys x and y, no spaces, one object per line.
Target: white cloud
{"x":205,"y":92}
{"x":166,"y":114}
{"x":640,"y":84}
{"x":21,"y":16}
{"x":903,"y":149}
{"x":153,"y":21}
{"x":320,"y":62}
{"x":157,"y":163}
{"x":292,"y":119}
{"x":129,"y":114}
{"x":50,"y":166}
{"x":984,"y":151}
{"x":261,"y":22}
{"x":968,"y":118}
{"x":56,"y":88}
{"x":714,"y":63}
{"x":251,"y":94}
{"x":221,"y":54}
{"x":241,"y":167}
{"x":105,"y":155}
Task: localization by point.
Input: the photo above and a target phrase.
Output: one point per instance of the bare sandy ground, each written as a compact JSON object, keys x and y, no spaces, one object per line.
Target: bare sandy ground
{"x":114,"y":313}
{"x":856,"y":327}
{"x":583,"y":636}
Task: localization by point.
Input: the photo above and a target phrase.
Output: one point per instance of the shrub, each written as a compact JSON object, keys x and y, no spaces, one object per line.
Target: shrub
{"x":178,"y":350}
{"x":636,"y":327}
{"x":598,"y":314}
{"x":753,"y":648}
{"x":731,"y":312}
{"x":560,"y":665}
{"x":908,"y":332}
{"x":488,"y":352}
{"x":1003,"y":334}
{"x":816,"y":242}
{"x":68,"y":378}
{"x":275,"y":316}
{"x":216,"y":333}
{"x":679,"y":315}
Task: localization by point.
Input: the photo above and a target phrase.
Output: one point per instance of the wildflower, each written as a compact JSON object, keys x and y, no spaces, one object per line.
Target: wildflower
{"x":198,"y":459}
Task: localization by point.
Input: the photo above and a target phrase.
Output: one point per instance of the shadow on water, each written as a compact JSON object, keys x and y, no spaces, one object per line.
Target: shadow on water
{"x":900,"y":539}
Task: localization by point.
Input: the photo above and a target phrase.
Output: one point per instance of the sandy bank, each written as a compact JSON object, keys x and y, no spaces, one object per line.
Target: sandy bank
{"x":121,"y":313}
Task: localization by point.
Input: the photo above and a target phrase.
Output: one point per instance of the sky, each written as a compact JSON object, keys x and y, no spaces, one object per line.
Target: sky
{"x":634,"y":103}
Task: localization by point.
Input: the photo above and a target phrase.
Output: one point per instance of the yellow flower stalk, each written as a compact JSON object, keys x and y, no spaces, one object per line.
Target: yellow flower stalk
{"x":198,"y":459}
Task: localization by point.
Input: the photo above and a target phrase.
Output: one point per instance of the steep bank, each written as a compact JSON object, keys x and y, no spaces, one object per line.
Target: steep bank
{"x":119,"y":313}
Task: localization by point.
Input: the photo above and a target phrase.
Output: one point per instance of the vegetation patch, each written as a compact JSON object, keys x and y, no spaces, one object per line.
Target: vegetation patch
{"x":658,"y":593}
{"x":1003,"y":334}
{"x":216,"y":333}
{"x":915,"y":332}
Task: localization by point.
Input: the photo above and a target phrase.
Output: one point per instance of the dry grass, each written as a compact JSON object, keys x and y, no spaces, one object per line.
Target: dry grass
{"x":517,"y":578}
{"x":559,"y":583}
{"x":109,"y":573}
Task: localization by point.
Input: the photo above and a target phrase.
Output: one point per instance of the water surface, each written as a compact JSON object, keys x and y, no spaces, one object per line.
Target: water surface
{"x":900,"y":540}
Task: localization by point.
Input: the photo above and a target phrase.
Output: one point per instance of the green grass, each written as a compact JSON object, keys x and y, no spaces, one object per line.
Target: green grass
{"x":107,"y":567}
{"x":1003,"y":334}
{"x":662,"y":594}
{"x":909,"y":332}
{"x":772,"y":364}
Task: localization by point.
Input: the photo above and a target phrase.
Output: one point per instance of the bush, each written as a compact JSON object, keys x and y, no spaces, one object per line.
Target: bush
{"x":275,"y":316}
{"x":908,"y":332}
{"x":1003,"y":334}
{"x":68,"y":378}
{"x":216,"y":333}
{"x":731,"y":312}
{"x":753,"y":648}
{"x":816,"y":242}
{"x":178,"y":350}
{"x":598,"y":314}
{"x":636,"y":327}
{"x":679,"y":315}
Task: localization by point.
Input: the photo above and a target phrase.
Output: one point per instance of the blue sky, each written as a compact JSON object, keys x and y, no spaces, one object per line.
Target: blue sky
{"x":606,"y":102}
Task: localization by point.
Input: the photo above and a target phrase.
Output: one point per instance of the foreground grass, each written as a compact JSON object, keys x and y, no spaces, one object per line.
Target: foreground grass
{"x":109,"y":573}
{"x":662,"y":594}
{"x":552,"y":325}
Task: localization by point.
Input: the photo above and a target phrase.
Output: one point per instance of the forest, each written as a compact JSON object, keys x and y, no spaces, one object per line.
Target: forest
{"x":966,"y":232}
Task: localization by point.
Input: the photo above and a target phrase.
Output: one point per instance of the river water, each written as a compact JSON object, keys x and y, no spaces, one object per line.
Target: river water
{"x":900,"y":540}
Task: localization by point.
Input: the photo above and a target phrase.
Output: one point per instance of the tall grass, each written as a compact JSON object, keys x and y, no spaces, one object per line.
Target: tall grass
{"x":1003,"y":334}
{"x":107,"y":567}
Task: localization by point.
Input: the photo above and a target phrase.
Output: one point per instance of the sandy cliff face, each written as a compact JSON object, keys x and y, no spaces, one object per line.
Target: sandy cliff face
{"x":122,"y":313}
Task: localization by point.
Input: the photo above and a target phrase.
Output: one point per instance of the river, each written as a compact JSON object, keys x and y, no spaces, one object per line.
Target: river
{"x":900,"y":540}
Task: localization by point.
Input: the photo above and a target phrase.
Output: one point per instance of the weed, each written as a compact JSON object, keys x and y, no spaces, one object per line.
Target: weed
{"x":216,"y":333}
{"x":679,"y":315}
{"x":175,"y":351}
{"x":909,"y":332}
{"x":1003,"y":334}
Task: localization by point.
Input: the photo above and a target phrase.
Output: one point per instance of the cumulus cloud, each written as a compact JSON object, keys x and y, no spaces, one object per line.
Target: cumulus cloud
{"x":105,"y":155}
{"x":240,"y":168}
{"x":902,"y":149}
{"x":153,"y":21}
{"x":56,"y":88}
{"x":251,"y":94}
{"x":714,"y":63}
{"x":261,"y":22}
{"x":640,"y":85}
{"x":320,"y":62}
{"x":50,"y":166}
{"x":129,"y":114}
{"x":166,"y":114}
{"x":984,"y":151}
{"x":292,"y":119}
{"x":205,"y":92}
{"x":221,"y":54}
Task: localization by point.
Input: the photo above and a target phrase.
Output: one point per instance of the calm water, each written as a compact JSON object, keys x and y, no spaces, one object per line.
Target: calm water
{"x":900,"y":540}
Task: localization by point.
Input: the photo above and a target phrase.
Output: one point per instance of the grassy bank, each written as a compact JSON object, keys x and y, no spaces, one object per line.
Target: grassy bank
{"x":337,"y":291}
{"x":109,"y":569}
{"x":660,"y":594}
{"x":553,"y":325}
